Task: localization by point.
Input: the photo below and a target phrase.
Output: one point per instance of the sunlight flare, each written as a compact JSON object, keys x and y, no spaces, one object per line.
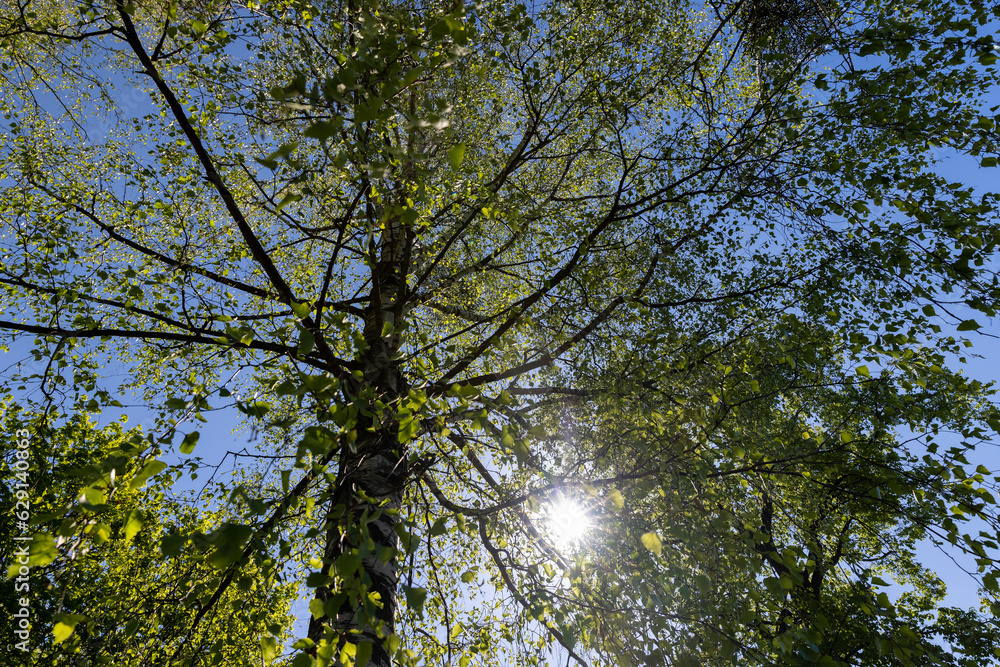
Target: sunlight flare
{"x":567,"y":521}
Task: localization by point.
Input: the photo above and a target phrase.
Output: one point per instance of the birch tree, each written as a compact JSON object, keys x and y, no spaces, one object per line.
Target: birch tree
{"x":692,"y":266}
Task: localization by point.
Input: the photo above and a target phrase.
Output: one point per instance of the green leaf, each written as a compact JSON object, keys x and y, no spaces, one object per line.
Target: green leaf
{"x":440,"y":527}
{"x":364,"y":654}
{"x":147,"y":471}
{"x":774,"y":586}
{"x":521,"y":451}
{"x":134,"y":522}
{"x":324,"y":130}
{"x":289,"y":198}
{"x":99,"y":532}
{"x":170,"y":545}
{"x":64,"y":626}
{"x":415,"y":597}
{"x":41,"y":551}
{"x":228,"y":540}
{"x":256,"y":409}
{"x":306,"y":343}
{"x":271,"y":161}
{"x":189,"y":442}
{"x":268,"y":648}
{"x":93,"y":496}
{"x":968,"y":325}
{"x":652,"y":542}
{"x":455,"y":155}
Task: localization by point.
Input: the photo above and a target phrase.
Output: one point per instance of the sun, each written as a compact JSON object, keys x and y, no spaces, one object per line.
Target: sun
{"x":567,"y":522}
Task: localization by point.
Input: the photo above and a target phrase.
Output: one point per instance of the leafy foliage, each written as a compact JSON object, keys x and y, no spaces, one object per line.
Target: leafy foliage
{"x":696,"y":266}
{"x":100,"y":581}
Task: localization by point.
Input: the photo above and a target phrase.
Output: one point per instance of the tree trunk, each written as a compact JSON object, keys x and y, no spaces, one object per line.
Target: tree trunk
{"x":360,"y":547}
{"x":360,"y":530}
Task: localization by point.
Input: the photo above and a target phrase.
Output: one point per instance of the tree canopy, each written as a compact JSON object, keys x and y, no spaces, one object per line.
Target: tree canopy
{"x":696,"y":268}
{"x":107,"y":575}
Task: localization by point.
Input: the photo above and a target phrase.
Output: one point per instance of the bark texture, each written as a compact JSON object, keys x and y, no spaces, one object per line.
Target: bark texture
{"x":364,"y":502}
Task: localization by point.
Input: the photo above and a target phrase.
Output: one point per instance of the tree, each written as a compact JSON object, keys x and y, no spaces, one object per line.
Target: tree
{"x":695,"y":263}
{"x":105,"y":575}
